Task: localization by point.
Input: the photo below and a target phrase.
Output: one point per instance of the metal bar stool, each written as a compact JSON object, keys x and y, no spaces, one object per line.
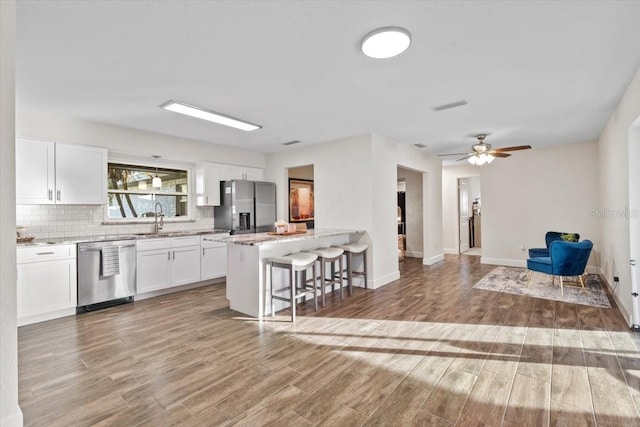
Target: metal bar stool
{"x":329,"y":256}
{"x":351,"y":250}
{"x":294,"y":263}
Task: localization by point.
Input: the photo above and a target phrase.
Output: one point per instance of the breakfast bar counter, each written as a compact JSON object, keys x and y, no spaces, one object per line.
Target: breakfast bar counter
{"x":248,"y":287}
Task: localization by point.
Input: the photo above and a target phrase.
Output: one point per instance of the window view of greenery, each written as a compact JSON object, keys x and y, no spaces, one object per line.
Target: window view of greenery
{"x":132,"y":194}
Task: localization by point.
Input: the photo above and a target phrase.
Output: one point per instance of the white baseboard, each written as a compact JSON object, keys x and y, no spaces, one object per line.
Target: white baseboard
{"x":508,"y":262}
{"x":13,"y":420}
{"x":449,"y":251}
{"x":433,"y":259}
{"x":37,"y":318}
{"x":152,"y":294}
{"x":592,"y":269}
{"x":379,"y":281}
{"x":625,"y":314}
{"x":413,"y":254}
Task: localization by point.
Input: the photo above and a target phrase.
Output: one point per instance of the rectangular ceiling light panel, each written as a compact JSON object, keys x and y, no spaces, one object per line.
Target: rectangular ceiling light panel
{"x":211,"y":116}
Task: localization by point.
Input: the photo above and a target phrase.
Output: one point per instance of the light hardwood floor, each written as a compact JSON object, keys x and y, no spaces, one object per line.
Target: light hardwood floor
{"x":425,"y":350}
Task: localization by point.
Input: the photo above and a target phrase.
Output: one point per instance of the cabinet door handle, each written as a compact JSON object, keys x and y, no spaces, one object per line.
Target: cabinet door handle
{"x":45,"y":253}
{"x":202,"y":251}
{"x":169,"y":255}
{"x":51,"y":194}
{"x":174,"y":255}
{"x":58,"y":195}
{"x":206,"y":200}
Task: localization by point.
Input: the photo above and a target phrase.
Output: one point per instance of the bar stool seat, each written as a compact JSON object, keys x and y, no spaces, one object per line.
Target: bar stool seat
{"x":295,"y":263}
{"x":329,"y":255}
{"x":357,"y":249}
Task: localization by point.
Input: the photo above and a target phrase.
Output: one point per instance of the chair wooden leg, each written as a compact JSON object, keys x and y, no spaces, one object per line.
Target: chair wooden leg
{"x":561,"y":287}
{"x":529,"y":278}
{"x":582,"y":283}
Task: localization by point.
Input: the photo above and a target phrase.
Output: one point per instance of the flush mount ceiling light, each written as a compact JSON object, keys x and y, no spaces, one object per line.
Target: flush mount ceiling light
{"x":386,"y":42}
{"x":211,"y":116}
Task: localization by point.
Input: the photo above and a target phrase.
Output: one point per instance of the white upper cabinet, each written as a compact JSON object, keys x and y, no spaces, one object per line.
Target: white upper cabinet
{"x":35,"y":172}
{"x":209,"y":175}
{"x":208,"y":184}
{"x":230,"y":172}
{"x":81,"y":174}
{"x":52,"y":172}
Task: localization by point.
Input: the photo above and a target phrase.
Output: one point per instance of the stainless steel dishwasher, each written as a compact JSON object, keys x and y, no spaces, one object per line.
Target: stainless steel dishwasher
{"x":106,"y":273}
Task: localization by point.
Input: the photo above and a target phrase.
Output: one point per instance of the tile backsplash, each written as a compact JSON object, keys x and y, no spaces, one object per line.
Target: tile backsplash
{"x":69,"y":221}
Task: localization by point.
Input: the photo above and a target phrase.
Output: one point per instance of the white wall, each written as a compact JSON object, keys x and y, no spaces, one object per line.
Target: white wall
{"x":302,"y":172}
{"x":10,"y":414}
{"x":619,"y":163}
{"x":450,"y":228}
{"x":413,"y":212}
{"x":536,"y":191}
{"x":388,"y":156}
{"x":132,"y":142}
{"x":355,"y":188}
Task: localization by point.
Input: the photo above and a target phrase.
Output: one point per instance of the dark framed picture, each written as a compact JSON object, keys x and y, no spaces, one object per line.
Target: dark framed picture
{"x":301,"y":205}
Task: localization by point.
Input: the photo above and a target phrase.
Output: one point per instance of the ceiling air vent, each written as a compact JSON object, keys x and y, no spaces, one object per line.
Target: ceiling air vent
{"x":295,"y":141}
{"x":448,"y":106}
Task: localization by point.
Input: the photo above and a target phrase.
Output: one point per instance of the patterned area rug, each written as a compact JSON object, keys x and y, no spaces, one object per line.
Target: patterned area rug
{"x":513,"y":280}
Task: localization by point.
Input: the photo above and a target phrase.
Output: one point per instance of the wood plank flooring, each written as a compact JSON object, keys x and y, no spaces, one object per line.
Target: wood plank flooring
{"x":424,"y":350}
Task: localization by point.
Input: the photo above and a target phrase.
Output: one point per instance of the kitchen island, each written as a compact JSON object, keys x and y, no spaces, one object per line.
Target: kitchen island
{"x":248,"y":286}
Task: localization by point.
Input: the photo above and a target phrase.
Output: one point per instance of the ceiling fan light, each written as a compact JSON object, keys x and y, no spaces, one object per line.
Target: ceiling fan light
{"x":490,"y":158}
{"x":386,"y":42}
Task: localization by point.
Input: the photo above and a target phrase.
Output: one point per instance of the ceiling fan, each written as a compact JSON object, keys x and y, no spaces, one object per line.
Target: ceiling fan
{"x":482,"y":152}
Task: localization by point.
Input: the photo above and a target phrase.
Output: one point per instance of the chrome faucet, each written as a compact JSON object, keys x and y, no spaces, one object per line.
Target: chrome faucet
{"x":157,"y":227}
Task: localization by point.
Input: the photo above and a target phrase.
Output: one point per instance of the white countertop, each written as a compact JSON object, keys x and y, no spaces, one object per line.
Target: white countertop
{"x":257,"y":239}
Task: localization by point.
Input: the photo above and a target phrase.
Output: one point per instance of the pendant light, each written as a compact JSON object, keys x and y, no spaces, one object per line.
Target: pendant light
{"x":156,"y":182}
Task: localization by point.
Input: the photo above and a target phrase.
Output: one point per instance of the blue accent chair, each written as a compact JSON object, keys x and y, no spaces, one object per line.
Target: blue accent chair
{"x":565,"y":259}
{"x":551,"y":236}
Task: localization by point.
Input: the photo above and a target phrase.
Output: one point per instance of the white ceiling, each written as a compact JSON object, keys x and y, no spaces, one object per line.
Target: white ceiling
{"x":537,"y":73}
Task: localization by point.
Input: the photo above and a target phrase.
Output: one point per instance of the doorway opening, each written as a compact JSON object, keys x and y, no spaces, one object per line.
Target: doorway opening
{"x":469,"y":216}
{"x":410,"y":213}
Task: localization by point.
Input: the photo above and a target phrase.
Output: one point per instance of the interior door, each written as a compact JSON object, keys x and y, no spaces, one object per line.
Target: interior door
{"x":463,"y":209}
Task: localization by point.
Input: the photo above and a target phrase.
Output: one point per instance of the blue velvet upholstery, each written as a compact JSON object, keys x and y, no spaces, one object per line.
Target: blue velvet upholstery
{"x":551,"y":236}
{"x":566,"y":258}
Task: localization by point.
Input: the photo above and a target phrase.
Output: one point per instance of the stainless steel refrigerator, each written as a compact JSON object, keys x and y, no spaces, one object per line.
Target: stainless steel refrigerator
{"x":246,"y":206}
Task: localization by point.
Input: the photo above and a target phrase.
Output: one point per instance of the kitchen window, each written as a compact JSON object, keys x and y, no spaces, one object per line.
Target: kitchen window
{"x":131,"y":192}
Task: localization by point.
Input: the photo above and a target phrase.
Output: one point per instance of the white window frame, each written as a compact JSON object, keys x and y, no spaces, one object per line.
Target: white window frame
{"x":149,"y":220}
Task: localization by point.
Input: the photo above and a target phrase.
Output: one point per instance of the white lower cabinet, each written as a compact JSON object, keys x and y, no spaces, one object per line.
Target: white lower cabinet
{"x":153,"y":270}
{"x":46,"y":286}
{"x":214,"y":259}
{"x":185,"y":265}
{"x":166,"y":262}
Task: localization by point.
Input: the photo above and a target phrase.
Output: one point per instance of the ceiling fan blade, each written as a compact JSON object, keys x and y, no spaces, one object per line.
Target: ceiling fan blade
{"x":498,"y":154}
{"x":466,"y":157}
{"x":453,"y":154}
{"x":516,"y":148}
